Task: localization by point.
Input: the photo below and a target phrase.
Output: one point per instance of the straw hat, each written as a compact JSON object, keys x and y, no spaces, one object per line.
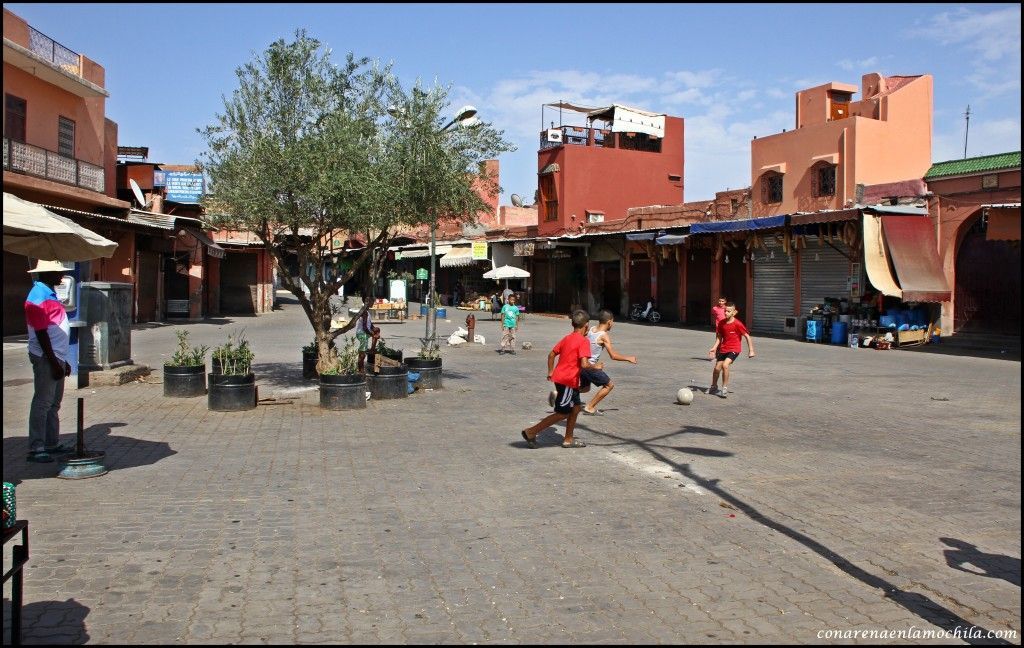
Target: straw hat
{"x":50,"y":266}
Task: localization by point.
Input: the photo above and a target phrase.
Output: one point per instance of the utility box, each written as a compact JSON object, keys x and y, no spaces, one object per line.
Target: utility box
{"x":106,"y":338}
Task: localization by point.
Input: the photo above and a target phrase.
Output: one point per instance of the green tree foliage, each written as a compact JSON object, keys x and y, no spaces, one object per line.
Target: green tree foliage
{"x":306,"y":151}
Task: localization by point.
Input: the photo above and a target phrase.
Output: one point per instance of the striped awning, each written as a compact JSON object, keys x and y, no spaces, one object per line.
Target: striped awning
{"x":458,"y":257}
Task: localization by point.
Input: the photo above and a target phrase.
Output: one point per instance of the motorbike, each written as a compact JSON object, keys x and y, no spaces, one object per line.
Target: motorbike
{"x":641,"y":312}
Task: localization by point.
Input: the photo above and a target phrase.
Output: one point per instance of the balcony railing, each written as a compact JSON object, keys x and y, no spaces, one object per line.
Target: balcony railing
{"x":52,"y":51}
{"x":576,"y":136}
{"x":36,"y":161}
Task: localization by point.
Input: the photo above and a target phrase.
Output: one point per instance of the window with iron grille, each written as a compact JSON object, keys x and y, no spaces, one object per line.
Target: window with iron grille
{"x":14,"y":118}
{"x":825,"y":180}
{"x":550,"y":200}
{"x":771,"y":187}
{"x":65,"y":137}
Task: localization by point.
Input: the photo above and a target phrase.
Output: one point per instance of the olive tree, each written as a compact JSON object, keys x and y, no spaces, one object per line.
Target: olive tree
{"x":306,"y":150}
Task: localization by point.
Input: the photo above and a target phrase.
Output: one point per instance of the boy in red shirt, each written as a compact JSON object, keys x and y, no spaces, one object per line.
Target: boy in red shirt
{"x":573,"y":353}
{"x":717,"y":315}
{"x":728,"y":345}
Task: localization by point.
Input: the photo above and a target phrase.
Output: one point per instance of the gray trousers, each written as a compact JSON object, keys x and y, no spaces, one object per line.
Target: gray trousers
{"x":43,"y":419}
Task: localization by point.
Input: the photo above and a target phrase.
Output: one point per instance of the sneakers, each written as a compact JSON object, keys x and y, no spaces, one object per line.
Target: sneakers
{"x":713,"y":389}
{"x":60,"y":448}
{"x":39,"y":456}
{"x":724,"y":392}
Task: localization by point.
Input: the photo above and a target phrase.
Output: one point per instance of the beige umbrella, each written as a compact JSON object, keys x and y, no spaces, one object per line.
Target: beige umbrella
{"x":506,"y":272}
{"x":34,"y":231}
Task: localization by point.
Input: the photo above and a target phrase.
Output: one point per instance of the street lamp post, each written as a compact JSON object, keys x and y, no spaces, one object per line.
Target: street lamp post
{"x":465,"y":117}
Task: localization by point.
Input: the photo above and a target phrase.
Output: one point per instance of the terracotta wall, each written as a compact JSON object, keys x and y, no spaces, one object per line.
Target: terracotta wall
{"x":612,"y":180}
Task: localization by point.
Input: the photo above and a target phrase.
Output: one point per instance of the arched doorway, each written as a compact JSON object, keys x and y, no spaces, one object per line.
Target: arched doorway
{"x":987,"y":298}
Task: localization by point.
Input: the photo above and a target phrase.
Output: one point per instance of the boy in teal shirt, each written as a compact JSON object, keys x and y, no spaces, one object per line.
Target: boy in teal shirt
{"x":509,"y":325}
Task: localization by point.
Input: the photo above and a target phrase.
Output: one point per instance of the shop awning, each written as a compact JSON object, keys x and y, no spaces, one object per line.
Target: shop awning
{"x":876,"y":258}
{"x":717,"y":227}
{"x":212,"y":248}
{"x":824,"y":217}
{"x":414,"y":254}
{"x":1003,"y":224}
{"x":457,"y":257}
{"x":642,"y":236}
{"x":911,"y":242}
{"x":670,"y":239}
{"x":551,"y":168}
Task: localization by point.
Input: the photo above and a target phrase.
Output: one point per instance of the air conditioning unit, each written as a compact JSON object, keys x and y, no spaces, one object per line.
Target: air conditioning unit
{"x":595,"y":218}
{"x":555,"y":135}
{"x":791,"y":325}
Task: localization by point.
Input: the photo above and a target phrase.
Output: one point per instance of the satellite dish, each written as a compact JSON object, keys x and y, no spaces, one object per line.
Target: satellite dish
{"x":138,"y":195}
{"x":517,"y":200}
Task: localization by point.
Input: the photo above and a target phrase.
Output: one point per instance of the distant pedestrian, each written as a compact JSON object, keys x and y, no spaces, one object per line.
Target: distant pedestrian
{"x":717,"y":315}
{"x":367,"y":334}
{"x":509,"y":326}
{"x":505,"y":294}
{"x":600,"y":340}
{"x":573,"y":353}
{"x":49,"y":340}
{"x":728,"y":346}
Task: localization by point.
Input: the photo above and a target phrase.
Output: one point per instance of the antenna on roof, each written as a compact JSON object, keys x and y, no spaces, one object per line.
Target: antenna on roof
{"x":967,"y":116}
{"x":517,"y":200}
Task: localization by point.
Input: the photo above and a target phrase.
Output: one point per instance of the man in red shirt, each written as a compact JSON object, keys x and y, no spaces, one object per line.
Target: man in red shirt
{"x":573,"y":353}
{"x":728,"y":345}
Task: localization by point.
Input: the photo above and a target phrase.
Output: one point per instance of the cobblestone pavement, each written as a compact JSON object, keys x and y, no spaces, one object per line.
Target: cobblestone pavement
{"x":833,"y":490}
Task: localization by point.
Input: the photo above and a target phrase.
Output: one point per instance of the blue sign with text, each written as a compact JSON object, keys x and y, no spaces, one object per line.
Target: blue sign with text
{"x":184,"y":187}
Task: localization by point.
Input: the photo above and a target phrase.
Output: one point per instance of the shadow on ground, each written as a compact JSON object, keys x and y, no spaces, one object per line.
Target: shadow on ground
{"x":990,"y":565}
{"x":922,"y":606}
{"x":122,"y":452}
{"x":52,"y":623}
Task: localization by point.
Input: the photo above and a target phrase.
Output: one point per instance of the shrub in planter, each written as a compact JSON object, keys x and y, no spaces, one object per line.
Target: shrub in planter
{"x":428,"y":365}
{"x":342,"y":386}
{"x":388,"y":352}
{"x":310,"y":356}
{"x":185,"y":374}
{"x":234,"y":388}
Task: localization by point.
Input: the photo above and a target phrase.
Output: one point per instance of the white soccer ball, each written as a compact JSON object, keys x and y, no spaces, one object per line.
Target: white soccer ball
{"x":684,"y":396}
{"x":551,"y":397}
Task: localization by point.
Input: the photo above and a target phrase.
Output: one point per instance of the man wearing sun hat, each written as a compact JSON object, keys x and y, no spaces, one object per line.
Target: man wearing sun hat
{"x":49,"y":340}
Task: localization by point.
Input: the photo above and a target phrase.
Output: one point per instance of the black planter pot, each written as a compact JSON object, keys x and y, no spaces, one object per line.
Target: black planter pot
{"x":184,"y":381}
{"x":390,"y":382}
{"x":229,"y":393}
{"x":214,"y":366}
{"x":344,"y":392}
{"x":309,"y":365}
{"x":429,"y":371}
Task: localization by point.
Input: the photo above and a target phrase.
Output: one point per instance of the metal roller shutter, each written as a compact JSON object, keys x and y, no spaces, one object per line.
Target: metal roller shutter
{"x":773,"y":288}
{"x":824,"y":272}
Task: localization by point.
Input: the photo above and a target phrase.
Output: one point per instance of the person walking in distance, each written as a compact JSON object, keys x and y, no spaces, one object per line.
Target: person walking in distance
{"x":49,"y":340}
{"x":509,"y":325}
{"x":600,"y":340}
{"x":573,"y":353}
{"x":367,"y":334}
{"x":728,"y":345}
{"x":717,"y":315}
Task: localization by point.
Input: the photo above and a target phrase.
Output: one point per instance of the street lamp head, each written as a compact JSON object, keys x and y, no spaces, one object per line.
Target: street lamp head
{"x":465,"y":113}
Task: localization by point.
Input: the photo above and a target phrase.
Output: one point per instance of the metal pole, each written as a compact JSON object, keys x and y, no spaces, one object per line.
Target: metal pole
{"x":432,"y":310}
{"x":80,"y":440}
{"x":967,"y":128}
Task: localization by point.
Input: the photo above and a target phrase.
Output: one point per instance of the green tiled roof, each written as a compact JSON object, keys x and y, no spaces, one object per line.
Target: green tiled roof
{"x":974,"y":165}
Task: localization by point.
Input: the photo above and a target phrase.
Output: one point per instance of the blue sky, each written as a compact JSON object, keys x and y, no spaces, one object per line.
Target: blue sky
{"x":729,"y":70}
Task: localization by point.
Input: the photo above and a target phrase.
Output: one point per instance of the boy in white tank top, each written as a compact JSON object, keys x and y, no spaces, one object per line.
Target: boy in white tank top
{"x":599,"y":341}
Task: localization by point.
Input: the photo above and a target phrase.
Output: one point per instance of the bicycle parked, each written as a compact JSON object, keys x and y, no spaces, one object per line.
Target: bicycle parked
{"x":639,"y":312}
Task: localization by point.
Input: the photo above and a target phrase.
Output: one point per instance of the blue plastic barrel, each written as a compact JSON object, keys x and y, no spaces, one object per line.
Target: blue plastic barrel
{"x":442,"y":313}
{"x":839,"y":332}
{"x":813,"y":330}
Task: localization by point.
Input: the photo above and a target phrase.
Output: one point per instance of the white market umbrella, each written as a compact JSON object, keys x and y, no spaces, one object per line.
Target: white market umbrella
{"x":506,"y":272}
{"x":34,"y":231}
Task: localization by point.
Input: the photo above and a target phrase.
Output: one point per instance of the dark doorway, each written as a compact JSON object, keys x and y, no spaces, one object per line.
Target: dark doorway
{"x":698,"y":287}
{"x":668,"y":290}
{"x":611,"y":286}
{"x":238,"y":271}
{"x":639,"y":281}
{"x":734,"y":282}
{"x":149,"y":271}
{"x":987,"y":284}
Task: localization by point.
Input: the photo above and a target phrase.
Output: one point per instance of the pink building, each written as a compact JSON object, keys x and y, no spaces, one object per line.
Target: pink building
{"x":839,"y":143}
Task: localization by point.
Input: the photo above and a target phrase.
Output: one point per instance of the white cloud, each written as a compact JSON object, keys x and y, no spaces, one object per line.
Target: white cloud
{"x":994,"y":35}
{"x":983,"y":138}
{"x":863,"y":65}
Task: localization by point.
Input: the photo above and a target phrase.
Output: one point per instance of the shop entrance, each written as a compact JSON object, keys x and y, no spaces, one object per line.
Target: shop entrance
{"x":698,"y":287}
{"x":987,"y":284}
{"x":611,"y":286}
{"x":734,"y":283}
